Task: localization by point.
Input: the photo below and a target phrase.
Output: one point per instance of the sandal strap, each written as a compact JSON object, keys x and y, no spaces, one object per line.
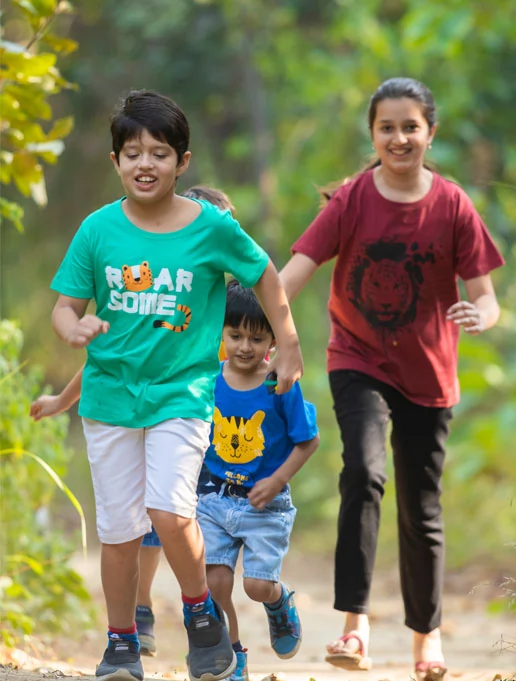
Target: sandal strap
{"x":356,"y":637}
{"x":425,"y":666}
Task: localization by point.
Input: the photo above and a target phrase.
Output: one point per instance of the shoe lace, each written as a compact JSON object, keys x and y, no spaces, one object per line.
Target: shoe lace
{"x":281,"y":625}
{"x":124,"y":644}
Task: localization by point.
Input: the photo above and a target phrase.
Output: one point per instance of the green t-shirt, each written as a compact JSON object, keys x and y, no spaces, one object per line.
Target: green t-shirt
{"x":164,"y":297}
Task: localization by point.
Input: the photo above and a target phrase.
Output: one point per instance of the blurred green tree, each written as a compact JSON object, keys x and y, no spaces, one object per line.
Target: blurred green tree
{"x":38,"y":588}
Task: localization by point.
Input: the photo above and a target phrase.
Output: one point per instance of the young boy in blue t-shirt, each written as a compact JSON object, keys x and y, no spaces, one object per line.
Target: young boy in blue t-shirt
{"x":154,"y":263}
{"x":259,"y":440}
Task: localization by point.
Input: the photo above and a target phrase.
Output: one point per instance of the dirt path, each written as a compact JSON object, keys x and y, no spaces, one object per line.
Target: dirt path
{"x":477,"y":646}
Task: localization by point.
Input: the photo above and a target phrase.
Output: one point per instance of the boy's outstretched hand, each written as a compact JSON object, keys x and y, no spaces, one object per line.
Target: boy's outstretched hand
{"x":86,"y":329}
{"x":287,"y":364}
{"x":46,"y":405}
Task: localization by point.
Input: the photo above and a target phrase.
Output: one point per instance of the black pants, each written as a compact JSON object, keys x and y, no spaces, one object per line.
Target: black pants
{"x":364,"y":406}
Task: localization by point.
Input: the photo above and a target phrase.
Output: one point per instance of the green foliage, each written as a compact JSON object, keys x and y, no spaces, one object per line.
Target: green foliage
{"x":36,"y":582}
{"x":28,"y":80}
{"x":37,"y":585}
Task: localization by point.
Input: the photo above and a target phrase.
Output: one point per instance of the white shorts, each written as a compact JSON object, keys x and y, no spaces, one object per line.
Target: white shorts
{"x":134,"y":469}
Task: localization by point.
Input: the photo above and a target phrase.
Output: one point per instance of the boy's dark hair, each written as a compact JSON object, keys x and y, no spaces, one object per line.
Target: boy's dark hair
{"x":159,"y":115}
{"x":215,"y":196}
{"x":242,"y":307}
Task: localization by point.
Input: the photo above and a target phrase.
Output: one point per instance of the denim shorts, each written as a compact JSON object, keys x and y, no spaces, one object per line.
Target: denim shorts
{"x":229,"y":524}
{"x":151,"y":538}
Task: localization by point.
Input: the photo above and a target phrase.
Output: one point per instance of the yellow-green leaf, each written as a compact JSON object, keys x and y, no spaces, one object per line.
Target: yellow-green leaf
{"x":62,"y":45}
{"x":13,"y":212}
{"x":18,"y":558}
{"x":61,"y":128}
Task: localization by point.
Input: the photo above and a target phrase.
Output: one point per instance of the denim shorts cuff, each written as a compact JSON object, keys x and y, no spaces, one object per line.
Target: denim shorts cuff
{"x":219,"y":561}
{"x":266,"y":576}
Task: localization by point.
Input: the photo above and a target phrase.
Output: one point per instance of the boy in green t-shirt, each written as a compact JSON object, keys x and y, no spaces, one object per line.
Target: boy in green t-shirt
{"x":154,"y":263}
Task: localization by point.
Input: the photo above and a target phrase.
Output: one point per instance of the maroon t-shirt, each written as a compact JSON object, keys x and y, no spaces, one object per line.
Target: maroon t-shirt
{"x":395,"y":278}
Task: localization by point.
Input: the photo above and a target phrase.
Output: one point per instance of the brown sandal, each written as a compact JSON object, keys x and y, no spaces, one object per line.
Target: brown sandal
{"x":351,"y":661}
{"x":429,"y":671}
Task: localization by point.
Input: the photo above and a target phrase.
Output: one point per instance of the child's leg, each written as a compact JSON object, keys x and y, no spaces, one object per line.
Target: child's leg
{"x":363,"y":415}
{"x":418,"y":440}
{"x":119,"y":571}
{"x":150,"y":554}
{"x":149,"y":562}
{"x":183,"y":546}
{"x":117,"y":461}
{"x":174,"y":455}
{"x":221,"y":579}
{"x":266,"y":536}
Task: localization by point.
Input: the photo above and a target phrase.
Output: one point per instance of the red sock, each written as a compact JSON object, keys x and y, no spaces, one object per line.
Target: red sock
{"x":132,"y":630}
{"x":195,"y":601}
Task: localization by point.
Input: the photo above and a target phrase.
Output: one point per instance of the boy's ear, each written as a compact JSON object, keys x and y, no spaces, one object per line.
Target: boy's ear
{"x":182,"y":166}
{"x":112,"y":156}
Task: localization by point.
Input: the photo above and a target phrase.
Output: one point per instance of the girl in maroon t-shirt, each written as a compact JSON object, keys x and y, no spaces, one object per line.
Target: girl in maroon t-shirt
{"x":402,"y":235}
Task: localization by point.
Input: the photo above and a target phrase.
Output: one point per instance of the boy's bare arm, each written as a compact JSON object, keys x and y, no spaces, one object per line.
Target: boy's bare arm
{"x":287,"y":362}
{"x":50,"y":405}
{"x":72,"y":325}
{"x":265,"y":490}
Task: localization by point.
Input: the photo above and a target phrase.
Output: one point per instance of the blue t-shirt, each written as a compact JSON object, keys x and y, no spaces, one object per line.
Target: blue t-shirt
{"x":254,"y":432}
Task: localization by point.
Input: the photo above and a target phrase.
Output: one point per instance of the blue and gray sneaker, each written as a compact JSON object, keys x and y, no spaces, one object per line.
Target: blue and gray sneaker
{"x":121,"y":661}
{"x":284,"y":625}
{"x":211,"y":656}
{"x":145,"y":625}
{"x":241,"y":672}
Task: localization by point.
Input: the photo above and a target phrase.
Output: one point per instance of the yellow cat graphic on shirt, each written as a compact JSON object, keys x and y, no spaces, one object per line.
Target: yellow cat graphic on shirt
{"x":238,"y":440}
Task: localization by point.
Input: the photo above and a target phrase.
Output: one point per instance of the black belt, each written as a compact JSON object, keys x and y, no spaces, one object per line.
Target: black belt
{"x":209,"y":484}
{"x":212,"y":484}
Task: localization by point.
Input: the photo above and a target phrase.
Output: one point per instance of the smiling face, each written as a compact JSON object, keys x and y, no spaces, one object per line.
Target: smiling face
{"x":148,"y":168}
{"x":401,"y":135}
{"x":246,"y":349}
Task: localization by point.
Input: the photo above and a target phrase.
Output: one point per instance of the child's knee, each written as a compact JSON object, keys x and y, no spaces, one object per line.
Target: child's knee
{"x":259,"y":590}
{"x":220,"y":580}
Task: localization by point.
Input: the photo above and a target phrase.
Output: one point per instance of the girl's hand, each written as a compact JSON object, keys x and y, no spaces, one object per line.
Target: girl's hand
{"x":46,"y":405}
{"x":86,"y":329}
{"x":467,"y":315}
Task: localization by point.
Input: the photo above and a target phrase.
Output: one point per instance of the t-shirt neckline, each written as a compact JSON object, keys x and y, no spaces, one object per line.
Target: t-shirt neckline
{"x":411,"y":205}
{"x":160,"y":235}
{"x":250,"y":392}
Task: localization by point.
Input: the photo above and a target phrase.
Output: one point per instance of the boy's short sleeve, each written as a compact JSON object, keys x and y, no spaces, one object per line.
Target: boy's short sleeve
{"x":299,"y":415}
{"x":74,"y":277}
{"x":236,"y":253}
